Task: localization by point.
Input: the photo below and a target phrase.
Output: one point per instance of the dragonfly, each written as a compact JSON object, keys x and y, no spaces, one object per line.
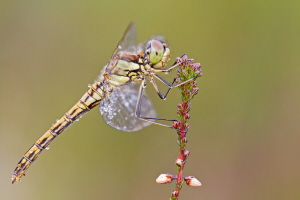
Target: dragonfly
{"x":119,"y":91}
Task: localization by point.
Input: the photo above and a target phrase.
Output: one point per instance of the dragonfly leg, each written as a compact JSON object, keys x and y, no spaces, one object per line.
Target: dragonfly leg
{"x":148,"y":119}
{"x":169,"y":85}
{"x":168,"y":69}
{"x":158,"y":91}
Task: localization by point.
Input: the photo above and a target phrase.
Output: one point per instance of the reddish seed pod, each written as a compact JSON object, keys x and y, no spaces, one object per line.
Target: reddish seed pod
{"x":186,"y":153}
{"x":175,"y":193}
{"x":194,"y":83}
{"x":179,"y":106}
{"x":176,"y":124}
{"x":186,"y":116}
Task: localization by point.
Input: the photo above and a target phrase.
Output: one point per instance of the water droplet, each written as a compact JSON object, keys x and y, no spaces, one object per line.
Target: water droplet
{"x":47,"y":148}
{"x":57,"y":120}
{"x":89,"y":85}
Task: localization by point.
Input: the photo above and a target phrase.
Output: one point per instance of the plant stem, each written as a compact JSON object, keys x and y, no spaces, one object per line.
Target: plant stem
{"x":186,"y":70}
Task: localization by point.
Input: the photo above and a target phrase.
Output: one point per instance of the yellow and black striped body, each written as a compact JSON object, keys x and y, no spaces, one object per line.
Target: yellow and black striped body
{"x":89,"y":100}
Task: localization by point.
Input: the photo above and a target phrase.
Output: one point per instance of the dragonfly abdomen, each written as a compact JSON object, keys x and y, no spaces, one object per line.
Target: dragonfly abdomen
{"x":89,"y":100}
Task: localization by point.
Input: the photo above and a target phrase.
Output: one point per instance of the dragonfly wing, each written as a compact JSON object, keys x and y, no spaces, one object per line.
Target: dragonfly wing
{"x":118,"y":109}
{"x":159,"y":38}
{"x":128,"y":39}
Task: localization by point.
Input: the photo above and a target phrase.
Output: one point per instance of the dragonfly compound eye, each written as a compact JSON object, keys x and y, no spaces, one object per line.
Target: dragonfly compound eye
{"x":155,"y":51}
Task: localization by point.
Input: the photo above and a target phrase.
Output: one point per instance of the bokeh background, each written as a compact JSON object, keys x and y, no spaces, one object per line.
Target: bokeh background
{"x":244,"y":136}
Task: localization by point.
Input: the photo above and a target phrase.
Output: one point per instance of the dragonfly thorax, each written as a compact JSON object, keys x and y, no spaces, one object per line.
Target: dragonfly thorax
{"x":125,"y":68}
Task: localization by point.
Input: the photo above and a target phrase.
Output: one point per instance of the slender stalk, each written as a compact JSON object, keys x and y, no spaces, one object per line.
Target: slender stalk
{"x":188,"y":69}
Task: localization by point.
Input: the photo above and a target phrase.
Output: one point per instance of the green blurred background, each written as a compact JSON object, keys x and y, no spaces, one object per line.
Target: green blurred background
{"x":244,"y":122}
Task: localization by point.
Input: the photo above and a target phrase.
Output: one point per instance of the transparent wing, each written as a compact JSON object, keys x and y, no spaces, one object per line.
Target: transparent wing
{"x":128,"y":39}
{"x":160,"y":38}
{"x":118,"y":109}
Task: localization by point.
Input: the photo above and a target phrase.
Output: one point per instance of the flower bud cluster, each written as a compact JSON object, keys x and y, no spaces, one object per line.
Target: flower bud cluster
{"x":188,"y":70}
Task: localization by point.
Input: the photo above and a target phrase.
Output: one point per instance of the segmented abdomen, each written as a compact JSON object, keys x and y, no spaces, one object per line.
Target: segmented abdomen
{"x":89,"y":100}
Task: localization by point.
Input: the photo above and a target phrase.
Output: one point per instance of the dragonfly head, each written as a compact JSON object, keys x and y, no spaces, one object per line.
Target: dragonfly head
{"x":158,"y":53}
